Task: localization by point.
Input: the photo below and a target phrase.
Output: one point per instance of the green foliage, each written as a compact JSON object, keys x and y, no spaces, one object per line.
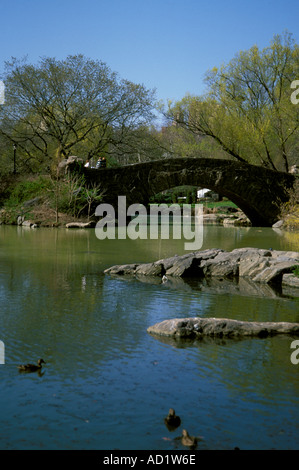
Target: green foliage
{"x":247,"y":110}
{"x":174,"y":198}
{"x":189,"y":197}
{"x":296,"y":271}
{"x":68,"y":195}
{"x":76,"y":106}
{"x":161,"y":198}
{"x":172,"y":195}
{"x":216,"y":204}
{"x":72,"y":196}
{"x":26,"y":190}
{"x":18,"y":194}
{"x":290,"y":210}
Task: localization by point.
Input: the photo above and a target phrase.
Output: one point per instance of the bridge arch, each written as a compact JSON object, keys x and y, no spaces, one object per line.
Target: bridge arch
{"x":259,"y":192}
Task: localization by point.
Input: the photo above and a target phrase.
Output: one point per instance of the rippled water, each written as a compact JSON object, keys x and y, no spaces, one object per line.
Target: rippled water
{"x":107,"y":383}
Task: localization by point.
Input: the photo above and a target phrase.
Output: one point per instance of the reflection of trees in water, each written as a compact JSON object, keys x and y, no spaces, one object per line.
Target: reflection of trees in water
{"x":258,"y":371}
{"x":74,"y":318}
{"x":291,"y":238}
{"x":54,"y":295}
{"x":217,"y":236}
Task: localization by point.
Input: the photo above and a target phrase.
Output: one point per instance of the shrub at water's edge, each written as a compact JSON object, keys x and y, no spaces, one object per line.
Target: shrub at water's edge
{"x":295,"y":271}
{"x":47,"y":200}
{"x":290,"y":210}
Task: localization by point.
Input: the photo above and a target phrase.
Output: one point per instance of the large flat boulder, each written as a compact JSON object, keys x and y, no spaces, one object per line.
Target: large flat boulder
{"x":274,"y":271}
{"x":220,"y":327}
{"x":188,"y":266}
{"x":224,"y":264}
{"x":258,"y":265}
{"x":150,"y":269}
{"x":253,"y":262}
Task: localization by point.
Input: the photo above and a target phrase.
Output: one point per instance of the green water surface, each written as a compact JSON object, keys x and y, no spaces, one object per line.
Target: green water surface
{"x":107,"y":383}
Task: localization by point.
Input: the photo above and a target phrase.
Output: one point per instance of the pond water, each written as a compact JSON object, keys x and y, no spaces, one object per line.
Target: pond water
{"x":107,"y":383}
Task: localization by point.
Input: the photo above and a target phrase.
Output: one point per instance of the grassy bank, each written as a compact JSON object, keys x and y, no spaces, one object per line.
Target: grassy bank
{"x":45,"y":200}
{"x":290,"y":210}
{"x":220,"y":207}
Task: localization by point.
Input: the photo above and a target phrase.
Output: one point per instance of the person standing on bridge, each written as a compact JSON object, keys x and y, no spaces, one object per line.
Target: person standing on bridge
{"x":101,"y":163}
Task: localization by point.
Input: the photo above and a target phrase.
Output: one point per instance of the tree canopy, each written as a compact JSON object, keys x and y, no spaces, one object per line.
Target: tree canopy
{"x":75,"y":106}
{"x":78,"y":106}
{"x":247,"y":109}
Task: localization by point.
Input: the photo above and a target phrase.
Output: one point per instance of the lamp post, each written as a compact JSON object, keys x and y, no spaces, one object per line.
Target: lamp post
{"x":14,"y":158}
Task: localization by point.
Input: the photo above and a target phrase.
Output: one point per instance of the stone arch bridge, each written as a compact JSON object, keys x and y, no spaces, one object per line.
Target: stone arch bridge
{"x":258,"y":191}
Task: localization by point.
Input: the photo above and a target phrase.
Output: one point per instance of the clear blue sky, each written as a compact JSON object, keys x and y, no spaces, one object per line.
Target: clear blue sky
{"x":164,"y":44}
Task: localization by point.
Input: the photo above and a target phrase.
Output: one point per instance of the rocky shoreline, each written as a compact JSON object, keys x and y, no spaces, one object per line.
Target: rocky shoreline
{"x":267,"y":267}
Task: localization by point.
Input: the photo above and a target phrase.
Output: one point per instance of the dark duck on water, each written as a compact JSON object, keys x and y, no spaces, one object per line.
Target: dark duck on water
{"x":31,"y":367}
{"x":172,"y":421}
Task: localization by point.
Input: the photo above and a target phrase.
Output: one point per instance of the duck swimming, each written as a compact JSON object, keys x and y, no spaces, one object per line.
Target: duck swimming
{"x":187,"y":440}
{"x":32,"y":367}
{"x":172,"y":421}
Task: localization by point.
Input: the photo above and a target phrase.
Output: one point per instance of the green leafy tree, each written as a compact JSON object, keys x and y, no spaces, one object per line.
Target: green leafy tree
{"x":92,"y":195}
{"x":75,"y":106}
{"x":247,"y":110}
